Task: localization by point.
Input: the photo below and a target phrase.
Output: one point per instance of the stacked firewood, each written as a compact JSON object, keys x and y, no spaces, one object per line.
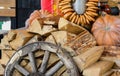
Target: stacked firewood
{"x":79,"y":42}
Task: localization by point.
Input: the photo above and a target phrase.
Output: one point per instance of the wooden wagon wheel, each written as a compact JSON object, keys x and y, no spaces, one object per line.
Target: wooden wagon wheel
{"x":28,"y":50}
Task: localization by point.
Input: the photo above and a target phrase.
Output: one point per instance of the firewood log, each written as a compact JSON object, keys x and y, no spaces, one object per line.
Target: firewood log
{"x":65,"y":73}
{"x":70,"y":27}
{"x":52,"y":60}
{"x":116,"y":73}
{"x":52,"y":20}
{"x":9,"y":53}
{"x":60,"y":71}
{"x":56,"y":38}
{"x":108,"y":73}
{"x":21,"y":39}
{"x":113,"y":51}
{"x":1,"y":70}
{"x":89,"y":57}
{"x":46,"y":30}
{"x":11,"y":35}
{"x":81,"y":42}
{"x":16,"y":73}
{"x":39,"y":53}
{"x":35,"y":26}
{"x":4,"y":58}
{"x":24,"y":63}
{"x":62,"y":37}
{"x":50,"y":39}
{"x":38,"y":27}
{"x":35,"y":38}
{"x":98,"y":68}
{"x":5,"y":43}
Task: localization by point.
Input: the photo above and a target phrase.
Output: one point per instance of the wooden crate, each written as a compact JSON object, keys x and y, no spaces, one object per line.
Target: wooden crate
{"x":9,"y":8}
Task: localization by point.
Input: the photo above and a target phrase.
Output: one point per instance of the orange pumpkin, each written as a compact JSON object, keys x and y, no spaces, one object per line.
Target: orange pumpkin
{"x":106,"y":30}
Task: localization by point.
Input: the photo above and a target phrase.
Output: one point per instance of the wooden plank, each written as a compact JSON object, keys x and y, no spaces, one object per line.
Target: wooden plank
{"x":65,"y":25}
{"x":8,"y":3}
{"x":7,"y":12}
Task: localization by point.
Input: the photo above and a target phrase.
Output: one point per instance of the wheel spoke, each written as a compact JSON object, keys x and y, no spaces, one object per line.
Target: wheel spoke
{"x":54,"y":69}
{"x":21,"y":70}
{"x":44,"y":62}
{"x":32,"y":62}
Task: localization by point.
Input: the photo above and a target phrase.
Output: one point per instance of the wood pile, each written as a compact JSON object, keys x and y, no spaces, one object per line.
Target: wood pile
{"x":79,"y":42}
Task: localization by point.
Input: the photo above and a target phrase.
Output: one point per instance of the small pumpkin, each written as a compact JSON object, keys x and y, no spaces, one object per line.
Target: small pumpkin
{"x":106,"y":30}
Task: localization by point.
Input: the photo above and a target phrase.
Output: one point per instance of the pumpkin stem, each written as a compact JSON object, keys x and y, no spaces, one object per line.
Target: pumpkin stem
{"x":107,"y":28}
{"x":103,"y":13}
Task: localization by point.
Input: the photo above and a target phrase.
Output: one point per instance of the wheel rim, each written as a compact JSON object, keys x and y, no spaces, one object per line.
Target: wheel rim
{"x":28,"y":50}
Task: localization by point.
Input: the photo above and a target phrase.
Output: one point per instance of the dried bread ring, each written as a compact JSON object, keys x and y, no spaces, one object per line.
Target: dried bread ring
{"x":67,"y":15}
{"x":67,"y":10}
{"x":70,"y":14}
{"x":73,"y":19}
{"x":63,"y":3}
{"x":91,"y":13}
{"x":79,"y":20}
{"x":66,"y":7}
{"x":91,"y":4}
{"x":76,"y":20}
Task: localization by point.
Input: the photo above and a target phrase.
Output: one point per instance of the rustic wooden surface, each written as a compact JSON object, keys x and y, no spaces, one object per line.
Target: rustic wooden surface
{"x":8,"y":11}
{"x":7,"y":3}
{"x":98,"y":69}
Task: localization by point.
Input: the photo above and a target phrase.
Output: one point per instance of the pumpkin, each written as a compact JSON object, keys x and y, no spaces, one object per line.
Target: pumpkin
{"x":106,"y":30}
